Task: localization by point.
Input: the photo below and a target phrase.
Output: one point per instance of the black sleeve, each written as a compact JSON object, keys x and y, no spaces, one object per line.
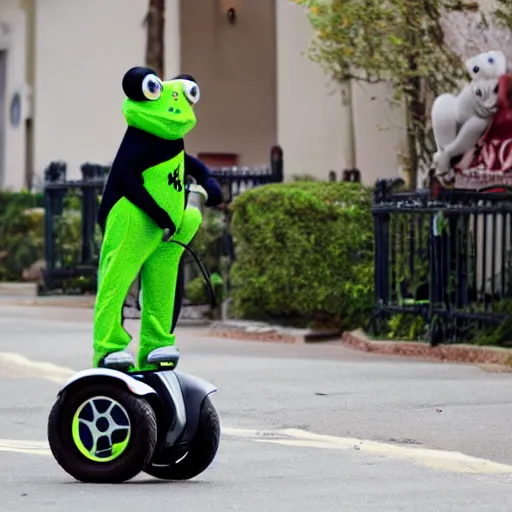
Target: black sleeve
{"x":203,"y":176}
{"x":130,"y":163}
{"x":196,"y":169}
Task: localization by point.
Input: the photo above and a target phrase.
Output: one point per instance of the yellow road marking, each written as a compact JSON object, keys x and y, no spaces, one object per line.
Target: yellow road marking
{"x":29,"y":447}
{"x":16,"y":366}
{"x":436,"y":459}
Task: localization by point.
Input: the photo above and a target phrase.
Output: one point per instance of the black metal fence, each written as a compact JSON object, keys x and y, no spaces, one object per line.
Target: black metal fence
{"x":72,"y":266}
{"x":68,"y":260}
{"x":446,"y":257}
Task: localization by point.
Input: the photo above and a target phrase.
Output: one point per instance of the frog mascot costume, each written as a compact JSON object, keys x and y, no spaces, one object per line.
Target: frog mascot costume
{"x":144,"y":198}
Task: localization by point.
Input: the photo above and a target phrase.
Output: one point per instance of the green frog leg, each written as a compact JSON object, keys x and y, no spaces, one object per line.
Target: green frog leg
{"x":130,"y":238}
{"x":159,"y":278}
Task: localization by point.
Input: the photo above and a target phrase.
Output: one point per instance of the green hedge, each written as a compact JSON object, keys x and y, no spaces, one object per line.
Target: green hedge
{"x":304,"y":254}
{"x":21,"y":232}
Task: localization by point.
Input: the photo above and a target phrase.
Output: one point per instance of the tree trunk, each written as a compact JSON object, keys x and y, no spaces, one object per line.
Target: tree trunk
{"x":413,"y":91}
{"x":413,"y":158}
{"x":155,"y":23}
{"x":349,"y":143}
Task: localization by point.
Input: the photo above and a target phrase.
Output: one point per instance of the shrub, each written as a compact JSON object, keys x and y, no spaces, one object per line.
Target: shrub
{"x":21,"y":233}
{"x":208,"y":244}
{"x":304,"y":254}
{"x":196,"y":290}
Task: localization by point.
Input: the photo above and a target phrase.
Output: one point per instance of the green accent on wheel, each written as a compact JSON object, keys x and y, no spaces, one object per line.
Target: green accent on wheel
{"x":101,"y":429}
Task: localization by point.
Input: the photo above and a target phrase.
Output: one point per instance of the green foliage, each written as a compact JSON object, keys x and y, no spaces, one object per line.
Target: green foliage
{"x":407,"y":327}
{"x":372,"y":41}
{"x":503,"y":13}
{"x":208,"y":241}
{"x":21,"y":233}
{"x":208,"y":245}
{"x":68,"y":230}
{"x":407,"y":230}
{"x":304,"y":253}
{"x":498,"y":335}
{"x":196,"y":290}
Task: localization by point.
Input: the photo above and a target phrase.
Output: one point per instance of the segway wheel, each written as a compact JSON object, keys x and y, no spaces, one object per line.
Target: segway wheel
{"x":102,"y":433}
{"x":201,"y":450}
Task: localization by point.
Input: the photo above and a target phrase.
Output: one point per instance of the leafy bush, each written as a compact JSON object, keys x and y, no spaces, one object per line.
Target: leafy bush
{"x":21,"y":233}
{"x":406,"y":327}
{"x":304,"y":254}
{"x":196,"y":290}
{"x":208,"y":244}
{"x":498,"y":335}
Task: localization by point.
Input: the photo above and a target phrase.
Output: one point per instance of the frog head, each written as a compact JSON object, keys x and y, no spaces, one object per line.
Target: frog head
{"x":164,"y":109}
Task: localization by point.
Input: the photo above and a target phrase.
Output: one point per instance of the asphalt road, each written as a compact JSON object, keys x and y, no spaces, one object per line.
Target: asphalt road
{"x":305,"y":428}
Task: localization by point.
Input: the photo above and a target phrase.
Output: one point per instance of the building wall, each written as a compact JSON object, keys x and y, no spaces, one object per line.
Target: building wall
{"x":379,"y":131}
{"x":257,"y":87}
{"x":14,"y":43}
{"x":83,"y":49}
{"x":311,"y":125}
{"x":235,"y":66}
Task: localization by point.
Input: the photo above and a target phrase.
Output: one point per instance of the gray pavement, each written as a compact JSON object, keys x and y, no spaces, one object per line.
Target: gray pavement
{"x":408,"y":407}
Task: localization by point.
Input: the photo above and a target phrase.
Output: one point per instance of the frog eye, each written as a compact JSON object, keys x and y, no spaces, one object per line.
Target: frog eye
{"x":191,"y":90}
{"x":478,"y":92}
{"x":152,"y":87}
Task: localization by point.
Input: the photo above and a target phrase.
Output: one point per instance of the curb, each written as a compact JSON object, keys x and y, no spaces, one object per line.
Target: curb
{"x":259,"y":331}
{"x":13,"y":289}
{"x":68,"y":302}
{"x":491,"y":358}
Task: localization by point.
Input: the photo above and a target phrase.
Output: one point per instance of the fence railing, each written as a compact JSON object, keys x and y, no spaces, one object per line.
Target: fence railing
{"x":77,"y":266}
{"x":446,"y":257}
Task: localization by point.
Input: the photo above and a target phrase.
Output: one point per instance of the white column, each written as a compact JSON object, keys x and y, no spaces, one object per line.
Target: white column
{"x":172,"y":38}
{"x":14,"y":43}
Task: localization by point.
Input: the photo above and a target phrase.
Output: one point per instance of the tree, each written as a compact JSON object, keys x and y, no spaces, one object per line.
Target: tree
{"x":503,"y":14}
{"x":401,"y":42}
{"x":155,"y":44}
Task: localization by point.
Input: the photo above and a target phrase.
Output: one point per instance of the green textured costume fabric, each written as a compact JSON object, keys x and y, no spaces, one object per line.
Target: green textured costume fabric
{"x":144,"y":195}
{"x":120,"y":261}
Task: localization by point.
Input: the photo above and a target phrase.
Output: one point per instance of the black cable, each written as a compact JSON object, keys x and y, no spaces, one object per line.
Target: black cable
{"x":205,"y":273}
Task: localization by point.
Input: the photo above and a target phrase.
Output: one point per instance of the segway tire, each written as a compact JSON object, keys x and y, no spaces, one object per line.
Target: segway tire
{"x":201,"y":450}
{"x":92,"y":457}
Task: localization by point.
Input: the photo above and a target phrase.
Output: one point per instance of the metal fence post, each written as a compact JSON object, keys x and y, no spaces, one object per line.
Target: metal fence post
{"x":54,"y":174}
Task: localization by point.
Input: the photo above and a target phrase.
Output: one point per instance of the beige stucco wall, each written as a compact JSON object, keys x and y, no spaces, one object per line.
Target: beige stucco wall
{"x":236,"y":70}
{"x":310,"y":120}
{"x":83,"y":49}
{"x":380,"y":131}
{"x":308,"y":106}
{"x":15,"y":44}
{"x":252,"y":96}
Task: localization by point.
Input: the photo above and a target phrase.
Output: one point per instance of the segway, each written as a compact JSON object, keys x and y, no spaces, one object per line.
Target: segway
{"x":108,"y":425}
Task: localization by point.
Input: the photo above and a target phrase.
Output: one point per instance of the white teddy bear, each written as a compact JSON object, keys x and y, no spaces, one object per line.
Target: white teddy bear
{"x":490,"y":64}
{"x":460,"y":121}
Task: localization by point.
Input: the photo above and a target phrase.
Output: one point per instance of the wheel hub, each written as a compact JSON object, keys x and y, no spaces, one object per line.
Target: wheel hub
{"x":101,"y":429}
